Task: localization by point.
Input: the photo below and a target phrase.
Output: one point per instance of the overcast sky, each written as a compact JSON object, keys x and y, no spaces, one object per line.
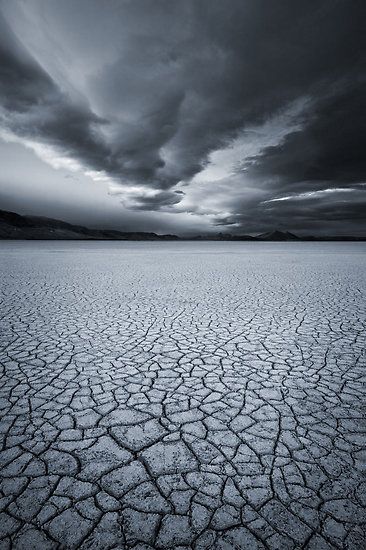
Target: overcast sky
{"x":187,"y":116}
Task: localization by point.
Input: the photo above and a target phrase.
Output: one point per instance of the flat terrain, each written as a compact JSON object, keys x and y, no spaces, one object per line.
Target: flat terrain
{"x":171,"y":395}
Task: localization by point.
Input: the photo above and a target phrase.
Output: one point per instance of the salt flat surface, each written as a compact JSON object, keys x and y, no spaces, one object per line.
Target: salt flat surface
{"x":171,"y":395}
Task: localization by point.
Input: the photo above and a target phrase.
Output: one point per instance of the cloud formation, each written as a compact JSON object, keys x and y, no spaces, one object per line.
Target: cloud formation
{"x":142,"y":95}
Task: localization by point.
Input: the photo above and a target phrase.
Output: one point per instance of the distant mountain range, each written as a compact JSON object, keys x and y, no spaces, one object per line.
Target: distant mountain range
{"x":16,"y":226}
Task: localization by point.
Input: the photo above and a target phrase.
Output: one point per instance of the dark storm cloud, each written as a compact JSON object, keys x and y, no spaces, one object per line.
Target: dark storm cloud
{"x":326,"y":211}
{"x":337,"y":212}
{"x":157,"y":201}
{"x":34,"y":108}
{"x":185,"y":78}
{"x":328,"y":148}
{"x":326,"y":154}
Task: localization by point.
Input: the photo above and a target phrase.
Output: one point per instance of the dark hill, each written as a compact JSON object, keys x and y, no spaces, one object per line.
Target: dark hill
{"x":278,"y":236}
{"x":15,"y":226}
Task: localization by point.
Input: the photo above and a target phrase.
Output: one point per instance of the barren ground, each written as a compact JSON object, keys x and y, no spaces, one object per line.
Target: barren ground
{"x":170,"y":395}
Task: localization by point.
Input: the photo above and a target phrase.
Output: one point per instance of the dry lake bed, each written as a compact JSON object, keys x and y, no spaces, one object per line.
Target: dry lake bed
{"x":197,"y":395}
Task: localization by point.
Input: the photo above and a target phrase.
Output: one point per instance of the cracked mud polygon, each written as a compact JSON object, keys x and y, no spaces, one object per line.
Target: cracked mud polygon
{"x":182,"y":395}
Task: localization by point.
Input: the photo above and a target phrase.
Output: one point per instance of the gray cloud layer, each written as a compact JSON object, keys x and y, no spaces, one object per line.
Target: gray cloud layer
{"x":182,"y":79}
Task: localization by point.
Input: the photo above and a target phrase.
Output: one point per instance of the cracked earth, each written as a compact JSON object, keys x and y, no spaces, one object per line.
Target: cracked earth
{"x":182,"y":395}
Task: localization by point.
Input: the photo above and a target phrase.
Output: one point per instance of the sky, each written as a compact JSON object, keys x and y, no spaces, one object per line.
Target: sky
{"x":185,"y":116}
